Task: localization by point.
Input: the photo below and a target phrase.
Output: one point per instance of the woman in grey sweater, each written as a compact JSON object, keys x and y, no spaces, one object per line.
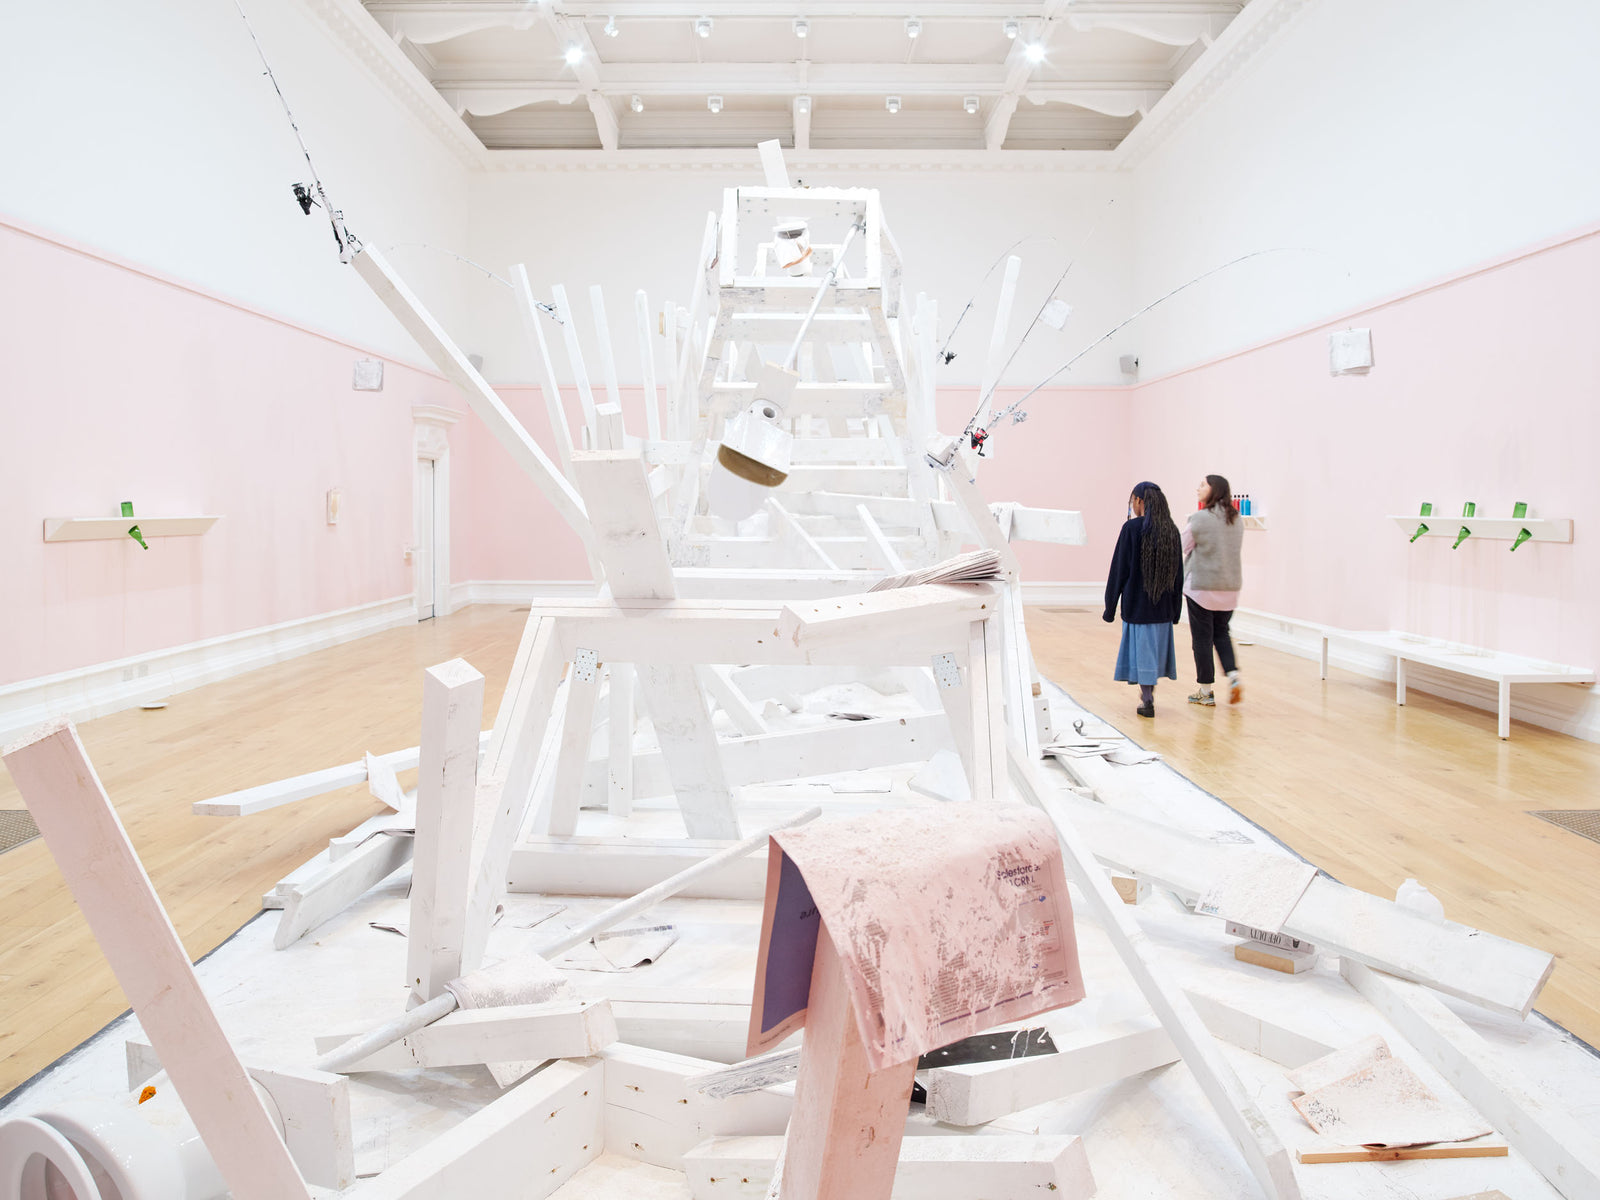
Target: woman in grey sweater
{"x":1212,"y":579}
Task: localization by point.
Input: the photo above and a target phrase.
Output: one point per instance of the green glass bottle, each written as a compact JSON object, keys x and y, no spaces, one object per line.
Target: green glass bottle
{"x":1522,"y":536}
{"x":1519,"y":509}
{"x":1427,"y":511}
{"x":1461,"y":537}
{"x":1421,"y":529}
{"x":133,"y":531}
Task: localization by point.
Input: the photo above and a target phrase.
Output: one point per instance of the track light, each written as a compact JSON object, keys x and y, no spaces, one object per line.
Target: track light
{"x":574,"y":55}
{"x":913,"y":27}
{"x":714,"y":103}
{"x":802,"y":27}
{"x":892,"y":103}
{"x":970,"y":103}
{"x":1011,"y":28}
{"x":1034,"y":52}
{"x":802,"y":105}
{"x":611,"y":29}
{"x":636,"y":104}
{"x":702,"y":26}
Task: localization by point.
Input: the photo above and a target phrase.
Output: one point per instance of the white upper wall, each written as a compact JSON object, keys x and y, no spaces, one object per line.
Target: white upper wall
{"x":627,"y":230}
{"x":145,"y":129}
{"x":1395,"y":142}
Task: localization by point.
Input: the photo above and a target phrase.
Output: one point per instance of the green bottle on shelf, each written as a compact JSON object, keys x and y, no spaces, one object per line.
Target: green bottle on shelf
{"x":1518,"y":511}
{"x":133,"y":532}
{"x":1427,"y":511}
{"x":1469,"y":509}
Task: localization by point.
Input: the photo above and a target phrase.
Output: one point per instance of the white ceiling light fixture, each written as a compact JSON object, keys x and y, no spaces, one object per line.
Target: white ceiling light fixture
{"x":802,"y":105}
{"x":714,"y":103}
{"x":611,"y":29}
{"x":636,"y":104}
{"x":892,"y":103}
{"x":970,"y":103}
{"x":702,"y":27}
{"x":802,"y":27}
{"x":1034,"y":52}
{"x":1011,"y":28}
{"x":574,"y":55}
{"x":913,"y":27}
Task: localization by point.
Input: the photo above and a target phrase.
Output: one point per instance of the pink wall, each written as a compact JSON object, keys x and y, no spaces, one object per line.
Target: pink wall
{"x":1484,"y":388}
{"x":119,"y":384}
{"x":1070,"y":453}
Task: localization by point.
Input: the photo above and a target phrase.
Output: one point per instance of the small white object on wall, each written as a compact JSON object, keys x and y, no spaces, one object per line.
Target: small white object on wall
{"x":1350,"y":352}
{"x":368,"y":375}
{"x":1129,"y":363}
{"x":335,"y":498}
{"x":1055,"y":313}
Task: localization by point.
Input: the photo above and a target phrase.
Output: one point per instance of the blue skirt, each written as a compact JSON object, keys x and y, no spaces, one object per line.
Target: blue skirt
{"x":1146,"y":654}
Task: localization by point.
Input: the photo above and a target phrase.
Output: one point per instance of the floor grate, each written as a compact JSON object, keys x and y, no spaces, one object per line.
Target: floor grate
{"x":16,"y":827}
{"x":1585,"y":822}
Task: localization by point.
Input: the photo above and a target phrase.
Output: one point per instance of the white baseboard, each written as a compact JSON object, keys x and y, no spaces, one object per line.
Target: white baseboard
{"x":1564,"y":707}
{"x":517,"y":591}
{"x":105,"y":688}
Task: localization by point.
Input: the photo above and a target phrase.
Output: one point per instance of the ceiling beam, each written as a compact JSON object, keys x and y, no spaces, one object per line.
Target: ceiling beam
{"x":802,"y":125}
{"x":1170,"y":22}
{"x":571,"y":33}
{"x":1018,"y":70}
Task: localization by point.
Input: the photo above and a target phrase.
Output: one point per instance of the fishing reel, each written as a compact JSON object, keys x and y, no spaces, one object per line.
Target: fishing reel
{"x":978,"y":438}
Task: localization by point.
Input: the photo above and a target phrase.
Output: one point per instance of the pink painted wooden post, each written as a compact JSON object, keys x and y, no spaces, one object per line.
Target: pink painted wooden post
{"x":844,"y":1136}
{"x":109,"y":883}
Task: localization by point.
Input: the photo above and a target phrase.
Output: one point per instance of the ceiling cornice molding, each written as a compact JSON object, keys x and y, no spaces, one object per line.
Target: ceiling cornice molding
{"x":1241,"y":43}
{"x":746,"y":159}
{"x":359,"y":35}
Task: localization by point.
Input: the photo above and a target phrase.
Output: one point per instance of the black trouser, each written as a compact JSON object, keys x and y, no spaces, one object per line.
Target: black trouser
{"x":1209,"y":628}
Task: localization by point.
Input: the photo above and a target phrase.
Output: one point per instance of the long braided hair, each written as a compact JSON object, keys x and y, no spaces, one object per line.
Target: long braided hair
{"x":1160,"y":548}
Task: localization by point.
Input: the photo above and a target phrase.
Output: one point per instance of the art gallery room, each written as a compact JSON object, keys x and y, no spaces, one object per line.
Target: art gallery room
{"x":1081,"y":512}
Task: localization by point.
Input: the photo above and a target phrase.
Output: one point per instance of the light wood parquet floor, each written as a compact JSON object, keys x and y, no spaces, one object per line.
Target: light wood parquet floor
{"x":1367,"y":791}
{"x":1373,"y":792}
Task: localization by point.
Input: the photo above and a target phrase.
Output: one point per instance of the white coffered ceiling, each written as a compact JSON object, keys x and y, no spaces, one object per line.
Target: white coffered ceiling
{"x":635,"y":77}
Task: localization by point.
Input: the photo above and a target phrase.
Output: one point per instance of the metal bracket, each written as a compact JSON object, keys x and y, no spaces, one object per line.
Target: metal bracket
{"x":584,"y":665}
{"x":946,"y":671}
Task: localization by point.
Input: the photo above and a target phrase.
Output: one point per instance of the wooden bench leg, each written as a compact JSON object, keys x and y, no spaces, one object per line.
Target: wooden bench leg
{"x":1399,"y":680}
{"x":1505,"y":710}
{"x":1324,"y":656}
{"x":844,"y":1137}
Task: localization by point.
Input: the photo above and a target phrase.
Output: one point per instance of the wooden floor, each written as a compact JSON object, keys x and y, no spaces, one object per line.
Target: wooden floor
{"x":1374,"y":793}
{"x":1367,"y":791}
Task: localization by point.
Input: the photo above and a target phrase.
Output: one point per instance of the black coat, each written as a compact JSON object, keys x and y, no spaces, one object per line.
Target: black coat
{"x":1126,"y":582}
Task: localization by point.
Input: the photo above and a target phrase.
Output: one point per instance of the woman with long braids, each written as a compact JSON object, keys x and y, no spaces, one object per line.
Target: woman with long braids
{"x":1147,"y":577}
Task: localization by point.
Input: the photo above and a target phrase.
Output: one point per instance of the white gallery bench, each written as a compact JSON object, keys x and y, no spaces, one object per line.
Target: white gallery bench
{"x":1504,"y":669}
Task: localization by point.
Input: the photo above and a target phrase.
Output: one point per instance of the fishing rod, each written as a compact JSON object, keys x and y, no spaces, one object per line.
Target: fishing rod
{"x":945,"y":352}
{"x":342,"y":237}
{"x":979,"y":436}
{"x":983,"y":400}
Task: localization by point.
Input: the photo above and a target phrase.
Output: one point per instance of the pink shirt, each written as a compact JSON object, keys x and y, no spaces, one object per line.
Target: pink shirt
{"x":1215,"y":601}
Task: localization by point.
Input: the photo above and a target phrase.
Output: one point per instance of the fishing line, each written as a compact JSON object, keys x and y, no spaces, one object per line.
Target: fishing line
{"x":342,"y":237}
{"x":975,"y":433}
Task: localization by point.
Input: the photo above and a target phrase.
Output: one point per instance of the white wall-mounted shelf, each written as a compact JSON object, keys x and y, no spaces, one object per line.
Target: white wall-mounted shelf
{"x":1253,"y":521}
{"x":1543,"y":529}
{"x":99,"y":529}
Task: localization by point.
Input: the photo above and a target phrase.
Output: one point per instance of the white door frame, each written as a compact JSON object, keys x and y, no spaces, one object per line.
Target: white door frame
{"x":431,"y":441}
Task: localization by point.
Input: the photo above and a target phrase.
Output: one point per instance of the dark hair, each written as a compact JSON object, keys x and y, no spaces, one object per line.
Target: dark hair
{"x":1222,"y":496}
{"x":1160,"y":548}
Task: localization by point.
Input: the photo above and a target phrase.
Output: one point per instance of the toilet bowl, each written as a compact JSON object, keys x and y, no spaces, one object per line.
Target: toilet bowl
{"x":38,"y":1163}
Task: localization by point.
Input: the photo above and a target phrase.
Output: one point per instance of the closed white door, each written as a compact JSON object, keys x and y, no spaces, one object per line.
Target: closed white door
{"x":424,"y":560}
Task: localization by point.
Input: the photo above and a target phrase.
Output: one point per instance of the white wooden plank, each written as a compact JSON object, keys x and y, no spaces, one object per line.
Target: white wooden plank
{"x":572,"y":752}
{"x":975,"y":1093}
{"x":1472,"y":964}
{"x":445,"y":355}
{"x":522,"y":732}
{"x":608,"y":356}
{"x":619,"y":728}
{"x":647,"y":366}
{"x":100,"y":529}
{"x":1056,"y":526}
{"x":626,"y":867}
{"x":569,"y":337}
{"x":718,"y":682}
{"x":525,"y":1145}
{"x":944,"y":607}
{"x":798,"y":536}
{"x":875,"y":535}
{"x":549,"y":385}
{"x":340,"y":884}
{"x":92,"y":850}
{"x":716,"y":1032}
{"x":447,"y":779}
{"x":627,"y":533}
{"x":931,"y":1168}
{"x":1246,"y":1127}
{"x":1250,"y":1030}
{"x":689,"y":746}
{"x":511,"y":1033}
{"x":315,"y":1107}
{"x":1540,"y":1127}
